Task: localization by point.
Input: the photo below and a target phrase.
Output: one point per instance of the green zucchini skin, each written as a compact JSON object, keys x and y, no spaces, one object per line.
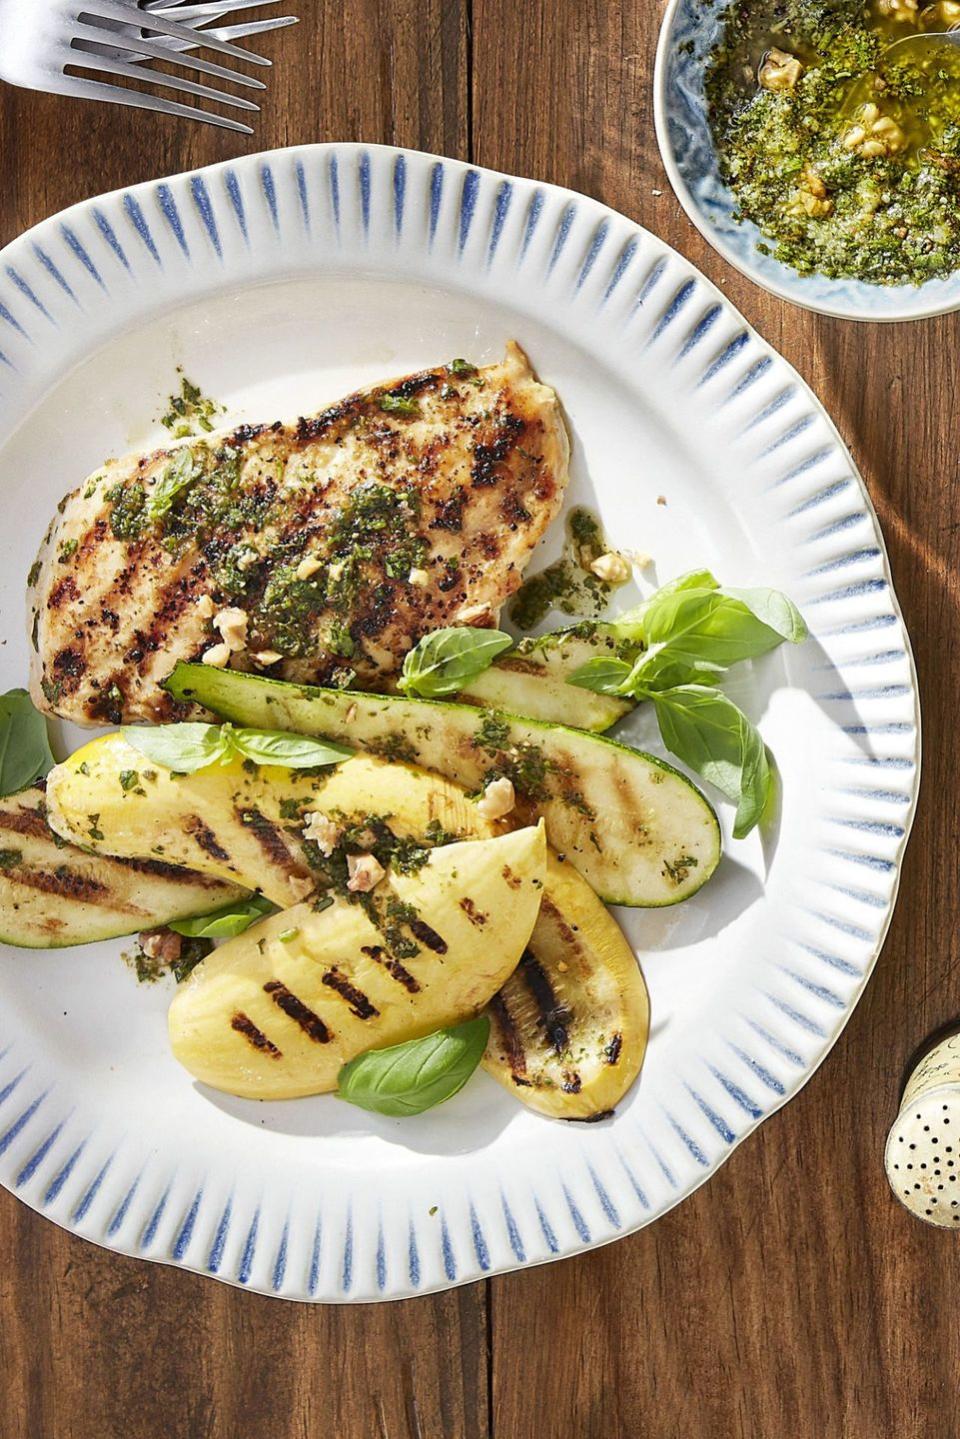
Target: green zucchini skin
{"x":54,"y":894}
{"x":637,"y":829}
{"x":532,"y":679}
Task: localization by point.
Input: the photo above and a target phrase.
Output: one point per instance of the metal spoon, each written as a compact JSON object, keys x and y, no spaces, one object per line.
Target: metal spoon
{"x":923,"y":40}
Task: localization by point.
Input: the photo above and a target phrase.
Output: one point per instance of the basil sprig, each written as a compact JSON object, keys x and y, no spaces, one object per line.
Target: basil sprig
{"x":693,"y":622}
{"x":187,"y":748}
{"x":691,"y":631}
{"x":444,"y":661}
{"x":224,"y":923}
{"x":409,"y":1078}
{"x":24,"y":745}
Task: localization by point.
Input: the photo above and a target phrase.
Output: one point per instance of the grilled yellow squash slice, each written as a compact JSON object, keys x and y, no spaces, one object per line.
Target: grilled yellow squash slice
{"x":239,"y":825}
{"x":274,"y":1013}
{"x":576,"y":943}
{"x":569,"y":1027}
{"x":53,"y":894}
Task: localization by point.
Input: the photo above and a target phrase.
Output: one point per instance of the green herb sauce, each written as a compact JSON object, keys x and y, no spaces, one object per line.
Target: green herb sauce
{"x":190,"y":412}
{"x":568,"y":585}
{"x":846,"y":159}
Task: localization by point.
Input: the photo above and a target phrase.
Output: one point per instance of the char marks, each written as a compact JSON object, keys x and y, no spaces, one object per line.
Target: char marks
{"x":555,"y":1017}
{"x":311,"y":1024}
{"x":359,"y":1004}
{"x":254,"y":1036}
{"x":270,"y":838}
{"x":64,"y":882}
{"x":205,"y":838}
{"x":510,"y":1039}
{"x":427,"y":936}
{"x":393,"y":967}
{"x":26,"y":821}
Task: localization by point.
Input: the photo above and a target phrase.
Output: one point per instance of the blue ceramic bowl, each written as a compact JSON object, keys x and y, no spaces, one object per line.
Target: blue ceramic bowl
{"x":688,"y":35}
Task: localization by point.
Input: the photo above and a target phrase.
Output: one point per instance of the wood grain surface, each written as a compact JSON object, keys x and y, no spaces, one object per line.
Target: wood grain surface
{"x":791,"y":1296}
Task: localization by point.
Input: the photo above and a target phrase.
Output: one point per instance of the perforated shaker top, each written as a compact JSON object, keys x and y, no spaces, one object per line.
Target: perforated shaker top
{"x":923,"y":1156}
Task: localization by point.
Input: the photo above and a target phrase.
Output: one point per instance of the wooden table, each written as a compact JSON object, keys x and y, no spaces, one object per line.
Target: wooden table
{"x":791,"y":1295}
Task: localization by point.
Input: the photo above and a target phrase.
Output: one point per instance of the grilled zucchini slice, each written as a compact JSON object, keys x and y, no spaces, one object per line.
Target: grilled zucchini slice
{"x":274,"y":1013}
{"x":53,"y":894}
{"x":531,"y":680}
{"x":569,"y":1027}
{"x":638,"y":830}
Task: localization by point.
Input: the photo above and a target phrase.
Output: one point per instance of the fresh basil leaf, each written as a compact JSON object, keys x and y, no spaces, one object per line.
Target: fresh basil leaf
{"x":707,"y":731}
{"x":24,"y":744}
{"x":694,"y":580}
{"x":662,"y":668}
{"x":775,"y":610}
{"x":409,"y":1078}
{"x":181,"y":747}
{"x":179,"y":473}
{"x":443,"y":662}
{"x":224,"y":923}
{"x":290,"y":751}
{"x":603,"y":674}
{"x":700,"y":622}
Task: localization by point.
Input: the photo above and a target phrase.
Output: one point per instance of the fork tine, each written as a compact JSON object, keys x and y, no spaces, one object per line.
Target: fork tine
{"x":151,"y":20}
{"x":175,"y":48}
{"x":157,"y":50}
{"x":117,"y":95}
{"x":251,"y":27}
{"x":211,"y":7}
{"x":157,"y":77}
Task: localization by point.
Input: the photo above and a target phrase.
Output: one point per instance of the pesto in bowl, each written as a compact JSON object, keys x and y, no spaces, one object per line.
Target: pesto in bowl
{"x":845,"y":157}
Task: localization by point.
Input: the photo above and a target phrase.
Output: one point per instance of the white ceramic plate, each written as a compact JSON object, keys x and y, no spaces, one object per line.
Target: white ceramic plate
{"x":278,"y":282}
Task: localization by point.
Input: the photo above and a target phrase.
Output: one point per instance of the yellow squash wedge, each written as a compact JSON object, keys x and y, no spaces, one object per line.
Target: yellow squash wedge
{"x":569,"y":1027}
{"x":274,"y":1013}
{"x":53,"y":894}
{"x":239,"y":825}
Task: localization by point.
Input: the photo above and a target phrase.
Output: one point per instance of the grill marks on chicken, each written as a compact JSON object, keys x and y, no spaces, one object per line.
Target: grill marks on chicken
{"x":343,"y":538}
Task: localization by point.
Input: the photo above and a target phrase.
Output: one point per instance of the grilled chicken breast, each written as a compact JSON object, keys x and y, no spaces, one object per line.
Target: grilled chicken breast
{"x":318,"y":551}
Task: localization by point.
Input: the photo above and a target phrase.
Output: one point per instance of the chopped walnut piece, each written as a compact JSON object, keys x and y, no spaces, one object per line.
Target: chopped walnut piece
{"x":813,"y":183}
{"x":299,"y":886}
{"x":418,"y":577}
{"x":232,"y":624}
{"x":217,"y":655}
{"x":814,"y":206}
{"x":161,"y":944}
{"x":365,"y":871}
{"x":612,"y":568}
{"x":780,"y":70}
{"x":498,"y":799}
{"x":308,"y":567}
{"x":267,"y":657}
{"x":205,"y":607}
{"x":321,"y":829}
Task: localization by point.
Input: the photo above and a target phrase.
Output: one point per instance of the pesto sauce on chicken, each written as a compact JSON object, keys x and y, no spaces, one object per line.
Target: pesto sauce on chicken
{"x":847,"y":159}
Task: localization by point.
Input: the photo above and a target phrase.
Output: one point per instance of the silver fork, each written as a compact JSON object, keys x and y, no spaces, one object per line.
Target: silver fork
{"x":40,"y":39}
{"x":194,"y":16}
